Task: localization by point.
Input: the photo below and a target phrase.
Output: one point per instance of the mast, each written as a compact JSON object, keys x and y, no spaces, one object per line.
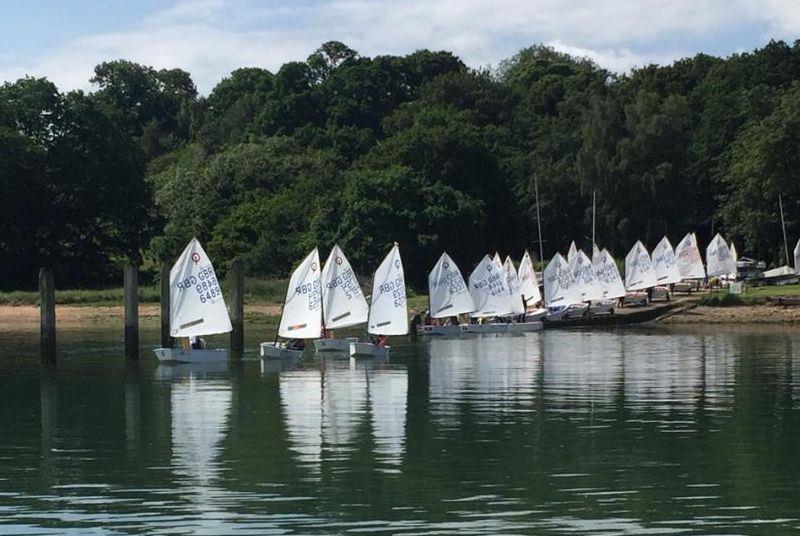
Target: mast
{"x":538,"y":218}
{"x":783,"y":227}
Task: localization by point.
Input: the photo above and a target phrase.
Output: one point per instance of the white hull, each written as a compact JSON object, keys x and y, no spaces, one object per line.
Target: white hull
{"x":202,"y":355}
{"x":576,"y":310}
{"x":439,"y":330}
{"x":535,"y":315}
{"x":520,"y":327}
{"x":636,"y":298}
{"x":334,"y":345}
{"x":494,"y":327}
{"x":367,"y":349}
{"x":279,"y":351}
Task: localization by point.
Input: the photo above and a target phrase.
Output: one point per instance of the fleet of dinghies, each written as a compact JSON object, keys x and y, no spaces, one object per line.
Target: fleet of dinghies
{"x":497,"y":297}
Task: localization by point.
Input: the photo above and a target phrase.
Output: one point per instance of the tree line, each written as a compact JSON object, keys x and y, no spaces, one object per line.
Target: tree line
{"x":418,"y":149}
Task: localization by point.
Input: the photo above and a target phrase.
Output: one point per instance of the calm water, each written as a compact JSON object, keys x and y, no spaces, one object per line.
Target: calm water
{"x":621,"y":432}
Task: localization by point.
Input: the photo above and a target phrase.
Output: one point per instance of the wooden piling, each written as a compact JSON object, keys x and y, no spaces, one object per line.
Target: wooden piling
{"x":236,"y":308}
{"x":131,"y":282}
{"x":166,"y":340}
{"x":47,"y":311}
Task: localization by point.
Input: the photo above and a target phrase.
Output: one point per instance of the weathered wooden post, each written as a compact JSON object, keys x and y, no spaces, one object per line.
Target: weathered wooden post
{"x":166,"y":340}
{"x":236,"y":308}
{"x":131,"y":282}
{"x":47,"y":311}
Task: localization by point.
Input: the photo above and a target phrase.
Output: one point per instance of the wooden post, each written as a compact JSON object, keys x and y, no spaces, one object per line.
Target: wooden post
{"x":131,"y":281}
{"x":166,"y":340}
{"x":47,"y":311}
{"x":236,"y":308}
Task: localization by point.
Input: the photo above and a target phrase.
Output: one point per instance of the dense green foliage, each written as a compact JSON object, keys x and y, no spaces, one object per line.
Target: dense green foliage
{"x":416,"y":149}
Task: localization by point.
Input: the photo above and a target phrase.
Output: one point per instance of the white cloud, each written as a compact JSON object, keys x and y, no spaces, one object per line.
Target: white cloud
{"x":209,"y":38}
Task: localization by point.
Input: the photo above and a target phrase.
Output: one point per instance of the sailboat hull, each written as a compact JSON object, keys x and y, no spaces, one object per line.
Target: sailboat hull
{"x":439,"y":330}
{"x":203,"y":355}
{"x":367,"y":349}
{"x":494,"y":327}
{"x":279,"y":351}
{"x":334,"y":345}
{"x":521,"y":327}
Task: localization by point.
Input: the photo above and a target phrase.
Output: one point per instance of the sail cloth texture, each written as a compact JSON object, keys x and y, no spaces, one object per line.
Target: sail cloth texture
{"x":449,"y":294}
{"x":719,"y":260}
{"x":388,"y":312}
{"x":735,"y":257}
{"x":487,"y":286}
{"x":196,"y":305}
{"x":588,"y":286}
{"x":690,"y":263}
{"x":560,"y":286}
{"x":302,"y":311}
{"x":528,"y":285}
{"x":512,"y":283}
{"x":665,"y":263}
{"x":607,"y":273}
{"x":343,"y":303}
{"x":639,"y":274}
{"x":797,"y":258}
{"x":497,"y":261}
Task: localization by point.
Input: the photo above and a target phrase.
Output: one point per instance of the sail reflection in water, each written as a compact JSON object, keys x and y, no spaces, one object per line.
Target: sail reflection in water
{"x":328,"y":410}
{"x":496,"y":376}
{"x":200,"y":412}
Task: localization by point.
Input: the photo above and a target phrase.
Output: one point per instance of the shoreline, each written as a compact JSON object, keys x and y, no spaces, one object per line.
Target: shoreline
{"x":25,"y":318}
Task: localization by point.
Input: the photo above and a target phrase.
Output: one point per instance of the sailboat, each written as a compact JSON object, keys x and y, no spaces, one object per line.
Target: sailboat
{"x":497,"y":261}
{"x":665,"y":266}
{"x":607,"y":274}
{"x":561,"y":289}
{"x":301,"y":317}
{"x":573,"y":250}
{"x":529,"y":288}
{"x":196,"y":306}
{"x":516,"y":302}
{"x":639,"y":274}
{"x":388,"y":311}
{"x":487,"y":286}
{"x":797,"y":258}
{"x":343,"y":303}
{"x":718,"y":258}
{"x":690,"y":264}
{"x":448,"y":296}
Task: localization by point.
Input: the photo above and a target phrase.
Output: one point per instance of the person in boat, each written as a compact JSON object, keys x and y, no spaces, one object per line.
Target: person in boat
{"x":416,"y":321}
{"x":296,"y":344}
{"x":327,"y":333}
{"x":380,"y":341}
{"x":197,"y":343}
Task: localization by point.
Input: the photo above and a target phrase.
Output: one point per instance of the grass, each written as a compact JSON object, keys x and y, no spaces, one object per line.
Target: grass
{"x":751,"y":295}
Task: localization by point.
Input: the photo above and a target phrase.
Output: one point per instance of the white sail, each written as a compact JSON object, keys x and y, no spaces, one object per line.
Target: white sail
{"x":582,"y":271}
{"x":528,"y":285}
{"x":196,"y":305}
{"x":449,"y":294}
{"x":665,"y":263}
{"x":513,"y":286}
{"x":560,"y":286}
{"x":735,"y":257}
{"x":690,"y":264}
{"x":343,"y":303}
{"x":607,"y":273}
{"x":302,"y":312}
{"x":487,"y":286}
{"x":797,"y":258}
{"x":573,"y":250}
{"x":718,"y":257}
{"x":388,"y":313}
{"x":639,"y":274}
{"x":497,"y":261}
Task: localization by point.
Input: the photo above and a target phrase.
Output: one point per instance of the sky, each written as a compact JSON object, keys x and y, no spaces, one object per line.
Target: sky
{"x":64,"y":39}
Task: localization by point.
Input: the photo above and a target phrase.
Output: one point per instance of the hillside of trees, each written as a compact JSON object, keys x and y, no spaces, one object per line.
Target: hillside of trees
{"x":418,"y":149}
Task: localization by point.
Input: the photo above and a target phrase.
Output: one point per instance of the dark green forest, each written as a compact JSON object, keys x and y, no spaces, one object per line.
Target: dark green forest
{"x":418,"y":149}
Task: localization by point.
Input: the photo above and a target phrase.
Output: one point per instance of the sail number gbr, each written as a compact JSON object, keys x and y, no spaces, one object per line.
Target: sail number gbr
{"x":204,"y":283}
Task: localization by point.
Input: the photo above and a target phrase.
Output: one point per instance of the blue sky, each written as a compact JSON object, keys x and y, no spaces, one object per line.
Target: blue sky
{"x":63,"y":40}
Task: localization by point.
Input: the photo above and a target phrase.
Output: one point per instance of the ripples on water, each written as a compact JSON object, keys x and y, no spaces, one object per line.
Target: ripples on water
{"x":622,"y":432}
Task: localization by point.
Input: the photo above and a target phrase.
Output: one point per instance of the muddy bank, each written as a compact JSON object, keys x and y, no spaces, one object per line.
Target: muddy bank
{"x":745,"y":314}
{"x":25,"y":318}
